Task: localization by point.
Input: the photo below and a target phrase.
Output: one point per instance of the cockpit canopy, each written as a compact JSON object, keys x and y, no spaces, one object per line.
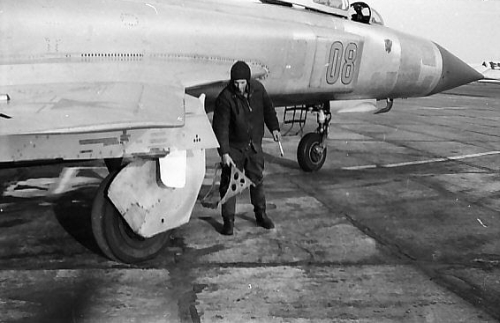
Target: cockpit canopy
{"x":361,"y":12}
{"x":339,"y":4}
{"x":358,"y":11}
{"x":333,"y":7}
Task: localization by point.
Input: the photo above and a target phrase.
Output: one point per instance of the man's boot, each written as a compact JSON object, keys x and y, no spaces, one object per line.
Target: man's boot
{"x":264,"y":221}
{"x":227,"y":228}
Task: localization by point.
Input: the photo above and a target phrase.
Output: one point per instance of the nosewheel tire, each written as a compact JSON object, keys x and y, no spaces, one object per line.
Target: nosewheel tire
{"x":311,"y":155}
{"x":114,"y":236}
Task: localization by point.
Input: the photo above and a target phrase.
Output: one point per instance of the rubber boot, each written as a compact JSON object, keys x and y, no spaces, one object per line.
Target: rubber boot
{"x":264,"y":221}
{"x":227,"y":228}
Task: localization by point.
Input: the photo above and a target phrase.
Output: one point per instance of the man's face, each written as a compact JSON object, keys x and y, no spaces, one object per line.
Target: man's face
{"x":240,"y":85}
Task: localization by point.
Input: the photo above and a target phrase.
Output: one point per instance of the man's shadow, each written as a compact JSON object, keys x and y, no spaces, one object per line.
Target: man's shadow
{"x":213,"y":222}
{"x":217,"y":225}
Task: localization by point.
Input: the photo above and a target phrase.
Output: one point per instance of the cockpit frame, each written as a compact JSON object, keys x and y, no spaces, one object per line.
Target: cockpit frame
{"x":338,"y":8}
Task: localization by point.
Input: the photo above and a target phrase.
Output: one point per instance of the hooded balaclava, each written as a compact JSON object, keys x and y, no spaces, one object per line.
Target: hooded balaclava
{"x":240,"y":71}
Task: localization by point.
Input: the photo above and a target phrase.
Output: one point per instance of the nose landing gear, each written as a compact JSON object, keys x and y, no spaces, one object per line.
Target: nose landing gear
{"x":312,"y":150}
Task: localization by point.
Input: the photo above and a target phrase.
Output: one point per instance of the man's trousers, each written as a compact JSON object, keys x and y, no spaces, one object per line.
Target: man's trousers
{"x":253,"y":164}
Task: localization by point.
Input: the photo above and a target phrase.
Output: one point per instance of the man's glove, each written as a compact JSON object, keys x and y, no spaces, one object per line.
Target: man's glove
{"x":227,"y":160}
{"x":277,"y":135}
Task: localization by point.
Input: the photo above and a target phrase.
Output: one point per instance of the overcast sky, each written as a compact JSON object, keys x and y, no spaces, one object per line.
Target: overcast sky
{"x":470,"y":29}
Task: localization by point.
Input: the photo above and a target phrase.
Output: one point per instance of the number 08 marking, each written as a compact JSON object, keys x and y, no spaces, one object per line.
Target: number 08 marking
{"x":341,"y":64}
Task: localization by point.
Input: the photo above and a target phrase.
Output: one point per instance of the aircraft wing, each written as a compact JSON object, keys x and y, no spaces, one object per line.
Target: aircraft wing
{"x":101,"y":103}
{"x":77,"y":107}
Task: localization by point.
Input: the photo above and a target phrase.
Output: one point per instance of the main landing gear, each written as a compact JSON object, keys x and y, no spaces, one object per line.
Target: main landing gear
{"x":114,"y":236}
{"x":112,"y":233}
{"x":137,"y":205}
{"x":312,"y":150}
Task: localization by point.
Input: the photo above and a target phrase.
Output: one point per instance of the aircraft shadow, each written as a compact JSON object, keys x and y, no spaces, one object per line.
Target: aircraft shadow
{"x":73,"y":212}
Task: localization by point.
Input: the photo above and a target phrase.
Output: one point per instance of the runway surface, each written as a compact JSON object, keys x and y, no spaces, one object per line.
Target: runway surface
{"x":402,"y":224}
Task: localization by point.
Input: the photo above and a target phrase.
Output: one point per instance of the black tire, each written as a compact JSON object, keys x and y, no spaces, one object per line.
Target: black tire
{"x":114,"y":236}
{"x":310,"y":155}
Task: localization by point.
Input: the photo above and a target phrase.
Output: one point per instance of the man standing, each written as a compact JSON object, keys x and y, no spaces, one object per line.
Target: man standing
{"x":241,"y":110}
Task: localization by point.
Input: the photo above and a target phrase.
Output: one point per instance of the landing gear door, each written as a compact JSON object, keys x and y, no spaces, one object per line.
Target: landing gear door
{"x":336,"y":63}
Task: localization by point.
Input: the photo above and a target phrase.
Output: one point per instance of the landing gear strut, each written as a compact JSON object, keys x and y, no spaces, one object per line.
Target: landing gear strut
{"x":311,"y":153}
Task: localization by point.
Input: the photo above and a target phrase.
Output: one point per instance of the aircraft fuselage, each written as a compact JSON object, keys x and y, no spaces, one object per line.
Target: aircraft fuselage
{"x":306,"y":55}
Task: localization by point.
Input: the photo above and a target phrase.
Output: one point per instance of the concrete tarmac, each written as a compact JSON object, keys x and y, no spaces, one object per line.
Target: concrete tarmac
{"x":400,"y":225}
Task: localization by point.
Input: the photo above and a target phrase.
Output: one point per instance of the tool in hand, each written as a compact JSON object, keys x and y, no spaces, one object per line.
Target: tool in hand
{"x":281,"y":148}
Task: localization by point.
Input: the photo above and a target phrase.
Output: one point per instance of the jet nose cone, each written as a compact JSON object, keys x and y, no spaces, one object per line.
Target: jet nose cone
{"x":455,"y":72}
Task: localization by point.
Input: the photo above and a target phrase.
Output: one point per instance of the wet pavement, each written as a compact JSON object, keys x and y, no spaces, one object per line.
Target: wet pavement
{"x":402,"y":224}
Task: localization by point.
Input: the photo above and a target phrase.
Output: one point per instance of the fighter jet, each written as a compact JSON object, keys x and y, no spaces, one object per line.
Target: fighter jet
{"x":129,"y":82}
{"x":490,"y":71}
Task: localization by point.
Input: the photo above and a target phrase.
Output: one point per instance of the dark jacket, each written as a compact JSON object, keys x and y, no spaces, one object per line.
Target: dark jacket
{"x":238,"y":122}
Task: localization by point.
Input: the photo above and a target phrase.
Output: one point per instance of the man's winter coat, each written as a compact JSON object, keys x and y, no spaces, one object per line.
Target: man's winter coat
{"x":238,"y":122}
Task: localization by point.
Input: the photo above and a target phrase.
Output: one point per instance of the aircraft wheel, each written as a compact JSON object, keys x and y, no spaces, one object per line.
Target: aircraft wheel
{"x":114,"y":236}
{"x":310,"y":154}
